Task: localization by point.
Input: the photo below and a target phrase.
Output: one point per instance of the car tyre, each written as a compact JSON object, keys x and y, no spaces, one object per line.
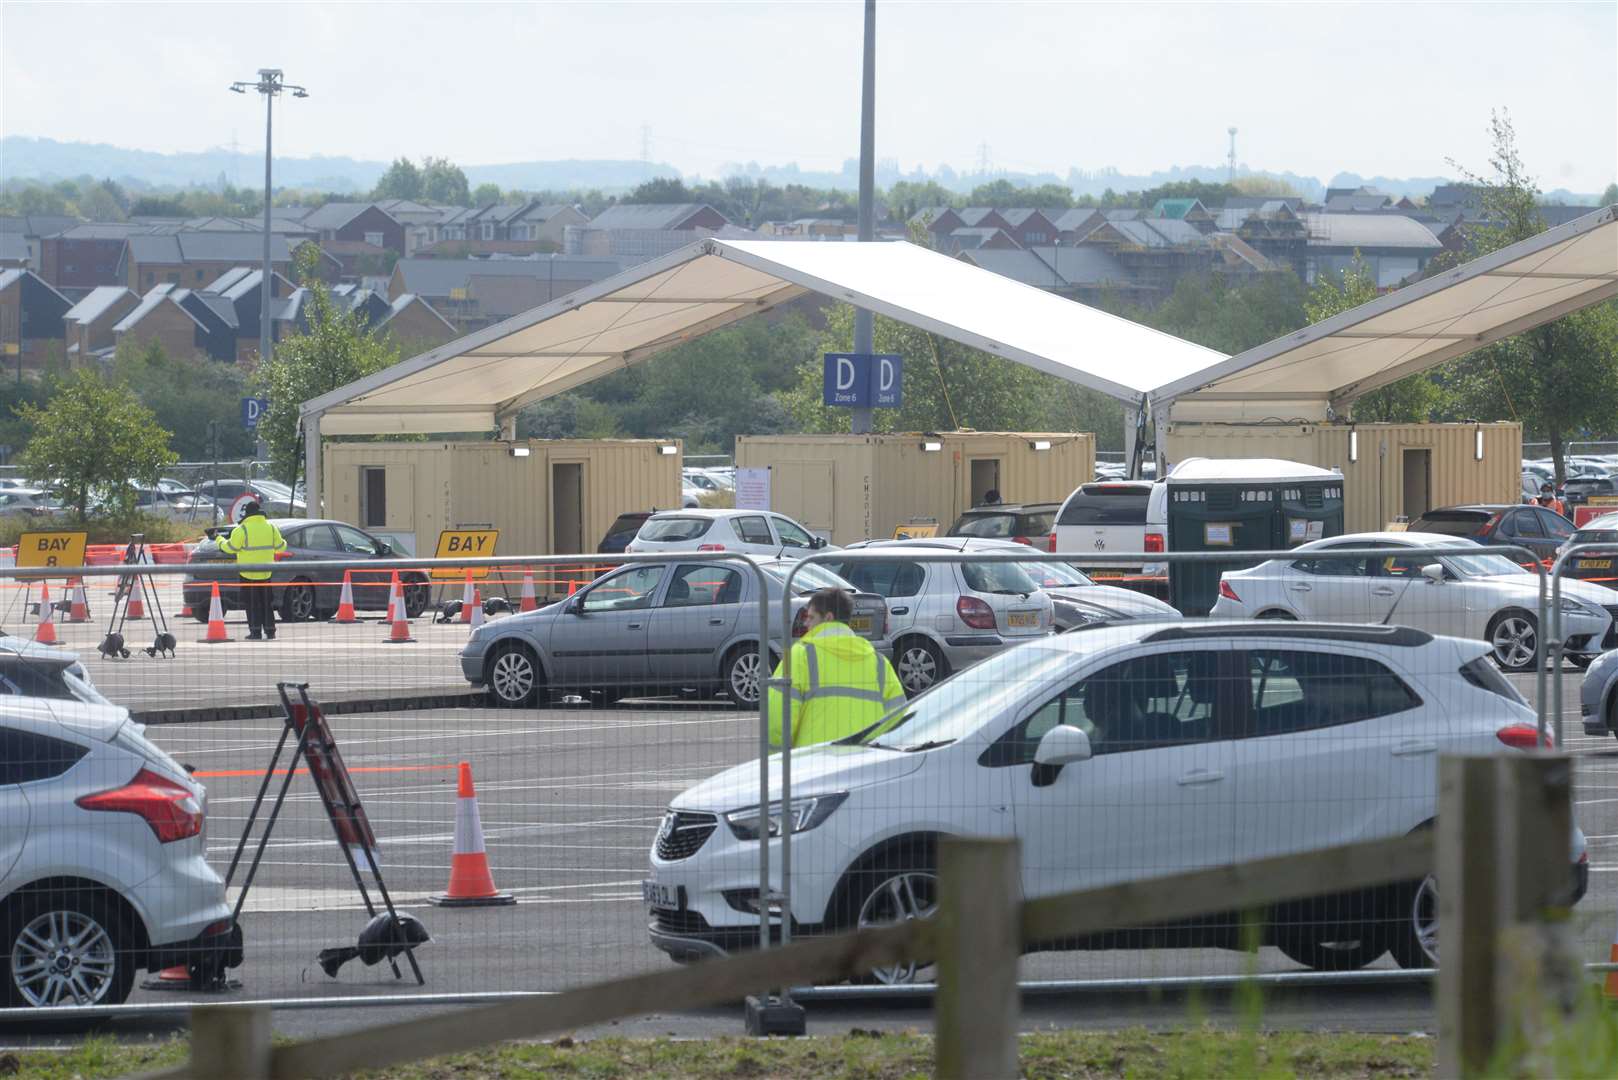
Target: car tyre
{"x":1301,"y":946}
{"x":514,"y":677}
{"x":86,"y":930}
{"x":1415,"y":940}
{"x":743,"y":678}
{"x":416,"y":597}
{"x":1582,"y":661}
{"x":298,"y":601}
{"x":919,"y":664}
{"x":1280,"y":616}
{"x":896,"y":883}
{"x":1513,"y":637}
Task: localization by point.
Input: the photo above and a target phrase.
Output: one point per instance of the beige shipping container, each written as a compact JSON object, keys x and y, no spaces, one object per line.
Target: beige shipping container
{"x":559,"y":499}
{"x":1390,"y":471}
{"x":859,"y":487}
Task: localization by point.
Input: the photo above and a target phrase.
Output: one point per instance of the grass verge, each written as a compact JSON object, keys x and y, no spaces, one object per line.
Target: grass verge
{"x":864,"y":1055}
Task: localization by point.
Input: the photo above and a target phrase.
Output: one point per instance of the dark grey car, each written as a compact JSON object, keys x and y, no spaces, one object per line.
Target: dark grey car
{"x":649,"y":628}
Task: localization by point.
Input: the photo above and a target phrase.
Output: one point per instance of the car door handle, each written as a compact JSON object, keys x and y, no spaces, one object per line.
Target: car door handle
{"x":1413,"y":747}
{"x":899,"y":611}
{"x":1381,"y":590}
{"x":634,"y":626}
{"x":1200,"y":776}
{"x":716,"y":622}
{"x":1302,"y":586}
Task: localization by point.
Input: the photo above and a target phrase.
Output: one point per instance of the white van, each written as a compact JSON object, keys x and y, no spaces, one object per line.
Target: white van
{"x":1113,"y":516}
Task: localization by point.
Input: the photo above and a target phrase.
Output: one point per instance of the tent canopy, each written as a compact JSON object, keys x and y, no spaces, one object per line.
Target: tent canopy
{"x":477,"y":381}
{"x":1337,"y":360}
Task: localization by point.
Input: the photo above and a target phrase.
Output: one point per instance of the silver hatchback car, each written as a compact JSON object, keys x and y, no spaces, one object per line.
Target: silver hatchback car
{"x":943,"y":617}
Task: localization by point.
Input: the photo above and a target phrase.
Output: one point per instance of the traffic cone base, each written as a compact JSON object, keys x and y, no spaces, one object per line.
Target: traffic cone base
{"x":345,"y":601}
{"x":216,"y":619}
{"x":470,"y":882}
{"x":46,"y":632}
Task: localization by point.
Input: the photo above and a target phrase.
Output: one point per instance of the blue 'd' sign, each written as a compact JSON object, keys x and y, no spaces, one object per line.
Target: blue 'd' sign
{"x":863,"y":380}
{"x":253,"y":408}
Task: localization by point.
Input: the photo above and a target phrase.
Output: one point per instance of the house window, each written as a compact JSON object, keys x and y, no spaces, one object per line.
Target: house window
{"x":488,"y":230}
{"x":199,"y":275}
{"x":373,"y":497}
{"x":374,"y":239}
{"x":1036,"y":238}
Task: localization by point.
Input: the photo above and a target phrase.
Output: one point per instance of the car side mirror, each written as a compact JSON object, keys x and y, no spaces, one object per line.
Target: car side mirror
{"x":575,"y":606}
{"x":818,"y":542}
{"x":1433,"y":572}
{"x":1063,"y":744}
{"x":383,"y":549}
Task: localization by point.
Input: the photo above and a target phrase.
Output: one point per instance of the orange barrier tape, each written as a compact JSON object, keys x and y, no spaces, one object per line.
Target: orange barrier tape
{"x":218,"y":774}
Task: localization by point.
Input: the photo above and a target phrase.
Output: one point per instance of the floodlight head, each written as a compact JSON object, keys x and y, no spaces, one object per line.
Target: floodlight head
{"x":300,"y":92}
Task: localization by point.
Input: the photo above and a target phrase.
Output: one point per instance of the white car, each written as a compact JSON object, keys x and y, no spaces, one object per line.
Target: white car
{"x":1111,"y":517}
{"x":102,"y":868}
{"x":1475,"y":593}
{"x":1114,"y":755}
{"x":755,"y":532}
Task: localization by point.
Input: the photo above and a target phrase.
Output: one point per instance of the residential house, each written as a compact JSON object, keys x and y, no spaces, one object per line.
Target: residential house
{"x":473,"y":293}
{"x":1089,"y":275}
{"x":414,"y":324}
{"x":89,"y":323}
{"x":1156,"y":252}
{"x":1029,"y":227}
{"x":1190,"y":211}
{"x":1395,"y":248}
{"x":192,"y":260}
{"x":416,"y":218}
{"x":33,"y":228}
{"x":1356,"y":200}
{"x":988,"y":236}
{"x":1235,"y":259}
{"x":631,"y":246}
{"x":30,"y":319}
{"x":1273,"y":227}
{"x":810,"y":229}
{"x":86,"y":256}
{"x":365,"y":223}
{"x":236,"y":297}
{"x":513,"y":229}
{"x":1074,"y":225}
{"x":939,"y":221}
{"x":177,"y":319}
{"x":14,"y":253}
{"x":676,"y":217}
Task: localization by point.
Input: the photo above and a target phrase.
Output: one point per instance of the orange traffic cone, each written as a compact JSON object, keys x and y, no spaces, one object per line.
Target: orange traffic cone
{"x":1609,"y":987}
{"x":185,"y":611}
{"x":468,"y":597}
{"x":177,"y":977}
{"x":477,"y":610}
{"x":400,"y":632}
{"x":572,"y":586}
{"x":79,"y":611}
{"x":137,"y":608}
{"x":46,"y":632}
{"x":345,"y":600}
{"x":470,"y":883}
{"x":529,"y":601}
{"x":216,"y":619}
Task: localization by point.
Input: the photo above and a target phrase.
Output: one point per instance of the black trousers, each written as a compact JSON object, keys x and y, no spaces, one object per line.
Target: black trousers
{"x":257,"y":598}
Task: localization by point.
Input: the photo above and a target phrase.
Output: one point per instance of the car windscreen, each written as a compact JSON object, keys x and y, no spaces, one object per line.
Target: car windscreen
{"x":810,"y":576}
{"x":1452,"y":523}
{"x":957,"y":707}
{"x":668,"y":530}
{"x":1472,"y":566}
{"x":997,"y":577}
{"x":1106,"y":504}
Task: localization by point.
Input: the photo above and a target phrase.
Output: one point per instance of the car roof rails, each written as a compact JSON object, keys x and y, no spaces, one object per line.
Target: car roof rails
{"x":1402,"y":636}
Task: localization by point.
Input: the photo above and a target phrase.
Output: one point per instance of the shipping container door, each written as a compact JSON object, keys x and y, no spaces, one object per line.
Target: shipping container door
{"x":804,"y":491}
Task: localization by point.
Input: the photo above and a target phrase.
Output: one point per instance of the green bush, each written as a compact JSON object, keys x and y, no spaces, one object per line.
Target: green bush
{"x":108,"y":530}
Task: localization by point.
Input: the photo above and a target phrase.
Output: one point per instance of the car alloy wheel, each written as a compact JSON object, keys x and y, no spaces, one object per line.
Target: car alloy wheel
{"x":416,"y":598}
{"x":1513,"y":636}
{"x":919,"y":666}
{"x":1416,"y":943}
{"x":63,"y":957}
{"x":912,"y":894}
{"x":513,"y":676}
{"x":299,"y":604}
{"x":743,"y":677}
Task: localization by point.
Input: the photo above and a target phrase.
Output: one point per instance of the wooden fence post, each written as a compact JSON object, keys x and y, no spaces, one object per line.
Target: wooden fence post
{"x":979,"y":942}
{"x":230,"y":1040}
{"x":1504,"y":826}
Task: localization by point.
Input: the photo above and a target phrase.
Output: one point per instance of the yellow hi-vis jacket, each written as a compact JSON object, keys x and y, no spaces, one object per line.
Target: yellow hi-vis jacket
{"x":255,"y":541}
{"x":840,"y":685}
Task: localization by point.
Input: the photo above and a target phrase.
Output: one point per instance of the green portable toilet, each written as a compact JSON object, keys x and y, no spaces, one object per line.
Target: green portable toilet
{"x":1245,"y":504}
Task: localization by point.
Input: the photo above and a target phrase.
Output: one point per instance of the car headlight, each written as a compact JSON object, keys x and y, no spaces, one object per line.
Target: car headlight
{"x":1570,"y":606}
{"x":805,"y":814}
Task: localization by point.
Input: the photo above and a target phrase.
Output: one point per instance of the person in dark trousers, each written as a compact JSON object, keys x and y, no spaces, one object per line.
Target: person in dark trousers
{"x":255,"y":542}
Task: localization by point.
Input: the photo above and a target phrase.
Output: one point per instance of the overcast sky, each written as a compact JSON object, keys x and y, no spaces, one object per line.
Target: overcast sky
{"x":1377,"y":89}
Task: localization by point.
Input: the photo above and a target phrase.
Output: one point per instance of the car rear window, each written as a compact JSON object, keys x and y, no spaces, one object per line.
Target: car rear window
{"x":1596,"y":536}
{"x":674,"y":529}
{"x":997,"y":577}
{"x":1035,"y":524}
{"x":1452,"y":523}
{"x":626,"y":525}
{"x":1106,"y":504}
{"x":987,"y":524}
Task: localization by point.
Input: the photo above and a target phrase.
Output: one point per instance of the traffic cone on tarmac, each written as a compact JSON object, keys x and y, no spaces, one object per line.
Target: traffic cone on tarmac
{"x":529,"y":601}
{"x":468,"y":597}
{"x":46,"y":632}
{"x":345,"y":600}
{"x":477,"y":611}
{"x":79,"y":610}
{"x":216,"y":619}
{"x":470,"y":883}
{"x":399,"y":634}
{"x":137,"y":608}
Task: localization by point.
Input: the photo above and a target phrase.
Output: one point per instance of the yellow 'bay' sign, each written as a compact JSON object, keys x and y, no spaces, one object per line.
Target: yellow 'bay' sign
{"x":463,"y":544}
{"x":36,"y":550}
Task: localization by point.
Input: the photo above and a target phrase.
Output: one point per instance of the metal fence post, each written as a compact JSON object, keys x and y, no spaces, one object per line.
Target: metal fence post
{"x":979,"y":941}
{"x":230,"y":1040}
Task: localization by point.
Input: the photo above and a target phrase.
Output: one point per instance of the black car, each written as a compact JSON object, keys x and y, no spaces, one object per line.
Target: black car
{"x":303,"y":592}
{"x":1578,"y":489}
{"x":1029,"y":523}
{"x":1600,"y":567}
{"x":1539,"y":530}
{"x":622,"y":531}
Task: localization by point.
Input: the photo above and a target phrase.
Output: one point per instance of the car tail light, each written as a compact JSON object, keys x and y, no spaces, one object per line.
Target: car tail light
{"x":1523,"y":737}
{"x":975,"y":613}
{"x":710,"y":547}
{"x":1022,"y":540}
{"x":1226,"y":592}
{"x":170,"y":809}
{"x":1154,"y":543}
{"x":1050,"y":543}
{"x":800,"y":622}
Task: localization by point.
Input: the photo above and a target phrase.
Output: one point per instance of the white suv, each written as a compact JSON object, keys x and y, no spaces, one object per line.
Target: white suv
{"x":1115,"y":754}
{"x":102,"y":868}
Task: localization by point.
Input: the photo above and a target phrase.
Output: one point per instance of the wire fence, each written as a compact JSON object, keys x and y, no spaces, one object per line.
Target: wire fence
{"x":562,"y":779}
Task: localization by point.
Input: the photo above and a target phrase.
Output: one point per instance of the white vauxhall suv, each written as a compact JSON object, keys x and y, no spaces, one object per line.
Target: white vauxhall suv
{"x":1113,"y":754}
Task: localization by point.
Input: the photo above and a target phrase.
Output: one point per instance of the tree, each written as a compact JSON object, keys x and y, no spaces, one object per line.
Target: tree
{"x":1207,"y":309}
{"x":1411,"y":400}
{"x":907,"y":197}
{"x":1610,"y":196}
{"x":158,"y":206}
{"x":187,"y":394}
{"x":102,"y":202}
{"x":93,"y":438}
{"x":486,"y":195}
{"x":1266,"y":186}
{"x":1558,"y":378}
{"x":443,"y":182}
{"x":661,"y":190}
{"x":1211,"y":194}
{"x":401,"y":181}
{"x":1003,"y":193}
{"x":336,"y":349}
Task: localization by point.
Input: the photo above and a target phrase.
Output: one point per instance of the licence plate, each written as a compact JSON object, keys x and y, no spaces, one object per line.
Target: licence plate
{"x":659,"y":895}
{"x":1022,"y":619}
{"x":1595,"y":564}
{"x":860,"y":624}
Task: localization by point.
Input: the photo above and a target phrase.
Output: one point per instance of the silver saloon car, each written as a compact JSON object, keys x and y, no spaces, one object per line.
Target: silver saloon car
{"x":649,"y":629}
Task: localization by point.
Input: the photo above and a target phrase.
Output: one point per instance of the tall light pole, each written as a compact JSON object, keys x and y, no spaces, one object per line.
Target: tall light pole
{"x":864,"y":332}
{"x":270,"y":83}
